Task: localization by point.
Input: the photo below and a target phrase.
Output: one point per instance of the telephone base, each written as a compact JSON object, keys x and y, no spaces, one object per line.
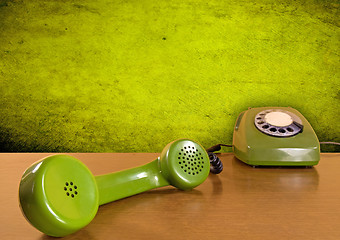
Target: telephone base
{"x":258,"y":148}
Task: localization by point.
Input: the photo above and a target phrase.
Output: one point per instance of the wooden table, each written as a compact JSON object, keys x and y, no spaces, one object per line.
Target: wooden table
{"x":241,"y":203}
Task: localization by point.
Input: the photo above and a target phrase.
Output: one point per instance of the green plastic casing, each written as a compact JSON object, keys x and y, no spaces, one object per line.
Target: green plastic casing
{"x":259,"y":149}
{"x":59,"y":195}
{"x":176,"y":167}
{"x":44,"y":200}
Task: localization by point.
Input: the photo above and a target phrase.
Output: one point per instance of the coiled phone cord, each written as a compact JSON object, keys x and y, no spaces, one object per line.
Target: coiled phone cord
{"x":216,"y":165}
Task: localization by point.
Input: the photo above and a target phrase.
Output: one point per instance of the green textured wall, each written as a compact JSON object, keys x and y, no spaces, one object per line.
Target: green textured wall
{"x":133,"y":75}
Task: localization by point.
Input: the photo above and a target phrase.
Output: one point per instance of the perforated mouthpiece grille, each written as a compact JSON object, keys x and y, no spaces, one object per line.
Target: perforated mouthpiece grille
{"x":71,"y":189}
{"x":191,"y":160}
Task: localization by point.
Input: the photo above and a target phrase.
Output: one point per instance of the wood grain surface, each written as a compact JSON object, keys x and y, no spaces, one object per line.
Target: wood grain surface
{"x":241,"y":203}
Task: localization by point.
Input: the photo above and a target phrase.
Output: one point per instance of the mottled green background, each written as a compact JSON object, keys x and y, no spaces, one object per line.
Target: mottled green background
{"x":133,"y":75}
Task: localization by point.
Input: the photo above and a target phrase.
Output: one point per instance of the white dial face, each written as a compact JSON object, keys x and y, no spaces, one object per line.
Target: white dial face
{"x":279,"y":119}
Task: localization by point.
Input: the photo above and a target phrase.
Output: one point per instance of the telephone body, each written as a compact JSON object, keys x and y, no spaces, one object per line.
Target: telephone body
{"x":275,"y":136}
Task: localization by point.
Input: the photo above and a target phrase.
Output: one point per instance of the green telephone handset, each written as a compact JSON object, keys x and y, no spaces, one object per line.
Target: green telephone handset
{"x":59,"y":195}
{"x":275,"y":136}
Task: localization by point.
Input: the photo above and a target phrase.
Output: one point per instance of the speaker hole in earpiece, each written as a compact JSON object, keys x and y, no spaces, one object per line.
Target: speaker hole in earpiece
{"x":71,"y":189}
{"x":290,"y":130}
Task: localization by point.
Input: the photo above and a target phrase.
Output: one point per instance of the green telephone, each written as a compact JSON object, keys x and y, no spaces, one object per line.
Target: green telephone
{"x":59,"y":195}
{"x":275,"y":136}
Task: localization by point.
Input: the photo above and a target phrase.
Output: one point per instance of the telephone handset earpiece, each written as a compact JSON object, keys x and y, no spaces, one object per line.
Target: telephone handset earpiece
{"x":59,"y":195}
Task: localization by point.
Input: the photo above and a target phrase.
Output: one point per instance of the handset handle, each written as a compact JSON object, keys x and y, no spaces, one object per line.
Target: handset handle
{"x":117,"y":185}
